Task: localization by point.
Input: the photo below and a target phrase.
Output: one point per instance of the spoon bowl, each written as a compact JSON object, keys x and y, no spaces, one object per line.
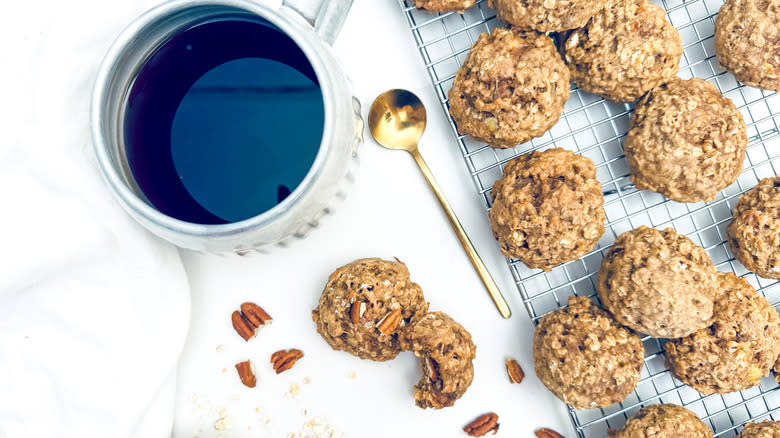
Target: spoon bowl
{"x":397,"y":120}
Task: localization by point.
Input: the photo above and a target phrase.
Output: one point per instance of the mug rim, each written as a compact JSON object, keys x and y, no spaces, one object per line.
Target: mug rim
{"x":118,"y":183}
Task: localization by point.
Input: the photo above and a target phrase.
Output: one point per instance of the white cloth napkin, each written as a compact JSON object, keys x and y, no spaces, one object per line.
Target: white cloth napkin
{"x":94,"y":310}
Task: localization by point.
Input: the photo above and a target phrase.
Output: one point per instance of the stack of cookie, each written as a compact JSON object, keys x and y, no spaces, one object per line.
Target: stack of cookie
{"x":724,"y":336}
{"x":371,"y":309}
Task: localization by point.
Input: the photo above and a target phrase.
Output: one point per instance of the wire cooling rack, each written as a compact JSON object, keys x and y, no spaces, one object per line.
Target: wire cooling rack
{"x":595,"y":128}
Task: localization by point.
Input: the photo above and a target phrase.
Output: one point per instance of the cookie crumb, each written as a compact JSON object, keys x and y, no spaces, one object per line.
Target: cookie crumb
{"x":352,"y":375}
{"x":220,"y":348}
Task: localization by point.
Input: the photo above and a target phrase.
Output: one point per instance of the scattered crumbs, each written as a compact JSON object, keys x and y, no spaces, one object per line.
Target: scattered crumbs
{"x":194,"y":398}
{"x":236,"y":398}
{"x":267,"y":421}
{"x":249,"y":428}
{"x":224,"y":422}
{"x":224,"y":370}
{"x":294,"y":388}
{"x":306,"y":380}
{"x":291,"y":435}
{"x":259,"y":409}
{"x":304,"y":412}
{"x":220,"y":348}
{"x":352,"y":375}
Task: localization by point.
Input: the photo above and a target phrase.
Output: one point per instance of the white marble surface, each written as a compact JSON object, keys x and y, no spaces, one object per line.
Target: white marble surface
{"x":390,"y":212}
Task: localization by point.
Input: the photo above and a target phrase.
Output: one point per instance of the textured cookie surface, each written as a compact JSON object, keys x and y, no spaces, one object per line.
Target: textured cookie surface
{"x":686,"y":141}
{"x":736,"y":350}
{"x":547,"y":208}
{"x":510,"y":89}
{"x":664,"y":421}
{"x":446,"y":354}
{"x":546,"y":15}
{"x":764,"y":429}
{"x":584,"y":357}
{"x":747,"y":41}
{"x":754,"y":232}
{"x":625,"y":50}
{"x":444,"y":5}
{"x":358,"y":297}
{"x":658,"y":282}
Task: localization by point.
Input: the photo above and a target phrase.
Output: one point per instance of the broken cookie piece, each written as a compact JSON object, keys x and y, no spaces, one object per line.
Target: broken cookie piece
{"x":446,"y":352}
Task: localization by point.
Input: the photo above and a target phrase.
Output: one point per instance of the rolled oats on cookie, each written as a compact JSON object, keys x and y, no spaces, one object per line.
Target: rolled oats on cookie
{"x":763,"y":429}
{"x":358,"y":299}
{"x":584,"y":357}
{"x":664,"y":421}
{"x":445,"y":5}
{"x":546,"y":15}
{"x":754,"y":231}
{"x":738,"y":348}
{"x":547,"y":208}
{"x":510,"y":89}
{"x":686,"y":141}
{"x":446,"y":352}
{"x":658,"y":282}
{"x":747,"y":41}
{"x":625,"y":50}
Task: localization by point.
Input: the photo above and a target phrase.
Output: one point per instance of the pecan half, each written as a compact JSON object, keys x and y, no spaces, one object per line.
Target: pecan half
{"x":357,"y":311}
{"x":516,"y":374}
{"x":547,"y":433}
{"x":432,"y":369}
{"x":482,"y":425}
{"x":283,"y":360}
{"x":390,"y":322}
{"x":249,"y":319}
{"x":246,"y":371}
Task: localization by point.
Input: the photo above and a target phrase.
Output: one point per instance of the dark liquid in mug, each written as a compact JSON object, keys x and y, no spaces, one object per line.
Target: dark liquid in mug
{"x":223,"y":121}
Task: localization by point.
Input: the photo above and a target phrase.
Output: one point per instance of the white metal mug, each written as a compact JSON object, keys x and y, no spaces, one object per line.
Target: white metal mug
{"x":313,"y":25}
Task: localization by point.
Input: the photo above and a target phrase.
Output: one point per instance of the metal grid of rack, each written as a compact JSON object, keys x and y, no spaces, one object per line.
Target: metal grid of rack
{"x":595,"y":128}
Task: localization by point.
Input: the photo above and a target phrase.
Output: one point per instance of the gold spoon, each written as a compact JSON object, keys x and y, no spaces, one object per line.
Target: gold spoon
{"x":397,"y":121}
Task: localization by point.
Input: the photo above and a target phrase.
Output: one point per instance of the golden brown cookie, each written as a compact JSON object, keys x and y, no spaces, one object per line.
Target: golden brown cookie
{"x":445,"y":5}
{"x":664,"y":421}
{"x":754,"y":232}
{"x":511,"y":88}
{"x":584,"y":357}
{"x":546,"y":15}
{"x":446,"y":352}
{"x":747,"y":41}
{"x":686,"y":141}
{"x":736,"y":350}
{"x":547,"y":208}
{"x":624,"y":50}
{"x":764,"y":429}
{"x":658,"y":282}
{"x":361,"y":303}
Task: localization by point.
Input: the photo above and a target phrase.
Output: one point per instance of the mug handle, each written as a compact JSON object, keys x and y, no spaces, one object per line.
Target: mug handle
{"x":325,"y":16}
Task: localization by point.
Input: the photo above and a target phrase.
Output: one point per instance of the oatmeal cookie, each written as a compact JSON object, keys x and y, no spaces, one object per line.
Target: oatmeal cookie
{"x":754,"y":232}
{"x":547,"y":208}
{"x":584,"y":357}
{"x":358,"y":298}
{"x":445,"y":5}
{"x":658,"y":282}
{"x":747,"y":41}
{"x":511,"y":88}
{"x":546,"y":15}
{"x":624,"y":51}
{"x":764,"y":429}
{"x":446,"y":352}
{"x":736,"y":350}
{"x":664,"y":421}
{"x":686,"y":141}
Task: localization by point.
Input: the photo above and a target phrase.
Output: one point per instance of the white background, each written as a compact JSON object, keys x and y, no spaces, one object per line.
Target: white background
{"x":389,"y":212}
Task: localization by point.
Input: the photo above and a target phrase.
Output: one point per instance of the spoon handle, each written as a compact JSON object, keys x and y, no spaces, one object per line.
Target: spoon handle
{"x":476,"y":261}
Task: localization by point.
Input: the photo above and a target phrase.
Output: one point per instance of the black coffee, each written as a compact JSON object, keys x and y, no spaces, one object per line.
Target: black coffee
{"x":223,"y":121}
